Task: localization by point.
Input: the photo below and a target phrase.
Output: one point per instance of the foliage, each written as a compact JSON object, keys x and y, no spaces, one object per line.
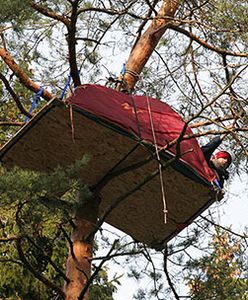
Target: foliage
{"x":34,"y":212}
{"x":103,"y":289}
{"x":199,"y":68}
{"x":15,"y":12}
{"x":222,"y":273}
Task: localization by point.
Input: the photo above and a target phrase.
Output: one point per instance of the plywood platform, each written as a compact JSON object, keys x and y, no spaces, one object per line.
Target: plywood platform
{"x":47,"y":141}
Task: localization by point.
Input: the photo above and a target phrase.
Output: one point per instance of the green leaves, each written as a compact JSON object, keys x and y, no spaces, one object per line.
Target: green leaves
{"x":222,"y":274}
{"x":15,"y":12}
{"x":36,"y":209}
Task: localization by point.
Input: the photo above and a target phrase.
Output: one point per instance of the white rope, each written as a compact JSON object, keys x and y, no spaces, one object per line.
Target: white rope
{"x":165,"y":211}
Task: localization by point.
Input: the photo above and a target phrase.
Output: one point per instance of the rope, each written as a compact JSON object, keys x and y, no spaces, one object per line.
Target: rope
{"x":123,"y":70}
{"x":72,"y":124}
{"x":165,"y":211}
{"x":133,"y":73}
{"x":66,"y":86}
{"x":122,"y":81}
{"x":136,"y":114}
{"x":35,"y":102}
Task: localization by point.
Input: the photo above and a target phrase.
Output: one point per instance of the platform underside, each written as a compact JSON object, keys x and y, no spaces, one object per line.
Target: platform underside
{"x":47,"y":141}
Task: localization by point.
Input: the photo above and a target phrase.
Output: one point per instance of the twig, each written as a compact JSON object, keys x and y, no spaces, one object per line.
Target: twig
{"x":14,"y":96}
{"x":38,"y":275}
{"x":56,"y":268}
{"x":224,"y":228}
{"x":98,"y":268}
{"x":69,"y":241}
{"x":167,"y":274}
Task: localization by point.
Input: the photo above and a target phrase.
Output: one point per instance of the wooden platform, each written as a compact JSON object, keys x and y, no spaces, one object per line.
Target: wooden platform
{"x":47,"y":141}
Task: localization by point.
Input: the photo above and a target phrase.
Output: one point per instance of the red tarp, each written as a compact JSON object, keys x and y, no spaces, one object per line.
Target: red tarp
{"x":118,"y":109}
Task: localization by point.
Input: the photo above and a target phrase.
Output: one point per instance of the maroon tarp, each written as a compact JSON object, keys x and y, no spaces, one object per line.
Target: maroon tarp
{"x":119,"y":109}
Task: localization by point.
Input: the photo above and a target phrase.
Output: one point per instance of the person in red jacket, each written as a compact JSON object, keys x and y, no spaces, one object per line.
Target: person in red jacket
{"x":220,"y":161}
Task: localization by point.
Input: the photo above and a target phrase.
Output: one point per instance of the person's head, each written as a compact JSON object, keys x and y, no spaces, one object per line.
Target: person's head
{"x":222,"y":159}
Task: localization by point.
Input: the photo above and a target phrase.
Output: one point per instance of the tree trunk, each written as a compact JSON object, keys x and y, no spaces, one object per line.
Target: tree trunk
{"x":144,"y":47}
{"x":78,"y":266}
{"x":78,"y":262}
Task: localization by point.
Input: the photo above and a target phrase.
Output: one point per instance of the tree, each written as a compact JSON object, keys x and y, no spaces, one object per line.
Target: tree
{"x":33,"y":244}
{"x":43,"y":43}
{"x":221,"y":273}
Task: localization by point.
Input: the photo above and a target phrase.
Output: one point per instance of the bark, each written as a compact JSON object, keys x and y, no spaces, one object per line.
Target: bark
{"x":72,"y":44}
{"x":23,"y":77}
{"x":78,"y":267}
{"x":144,"y":47}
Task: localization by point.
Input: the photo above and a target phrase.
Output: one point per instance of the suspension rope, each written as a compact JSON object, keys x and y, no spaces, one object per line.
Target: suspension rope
{"x":136,"y":114}
{"x":120,"y":82}
{"x":35,"y":102}
{"x":165,"y":211}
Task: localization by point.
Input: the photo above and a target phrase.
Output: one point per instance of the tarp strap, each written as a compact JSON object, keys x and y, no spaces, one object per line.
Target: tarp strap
{"x":216,"y":182}
{"x":165,"y":211}
{"x":123,"y":70}
{"x":66,"y":86}
{"x":35,"y":102}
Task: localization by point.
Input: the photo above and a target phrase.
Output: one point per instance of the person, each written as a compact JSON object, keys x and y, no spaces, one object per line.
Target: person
{"x":219,"y":162}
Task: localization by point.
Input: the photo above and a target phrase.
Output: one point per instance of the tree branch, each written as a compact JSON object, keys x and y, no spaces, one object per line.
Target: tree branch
{"x":243,"y":236}
{"x":69,"y":241}
{"x":14,"y":96}
{"x":4,"y":261}
{"x":227,"y":86}
{"x":23,"y":77}
{"x":11,"y":123}
{"x":168,"y":276}
{"x":111,"y":11}
{"x":9,"y":239}
{"x":34,"y":272}
{"x":204,"y":43}
{"x":98,"y":268}
{"x":71,"y":40}
{"x":56,"y":268}
{"x":49,"y":13}
{"x":209,"y":122}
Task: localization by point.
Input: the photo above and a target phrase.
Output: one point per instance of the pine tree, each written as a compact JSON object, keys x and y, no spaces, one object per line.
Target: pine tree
{"x":35,"y":228}
{"x":173,"y":45}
